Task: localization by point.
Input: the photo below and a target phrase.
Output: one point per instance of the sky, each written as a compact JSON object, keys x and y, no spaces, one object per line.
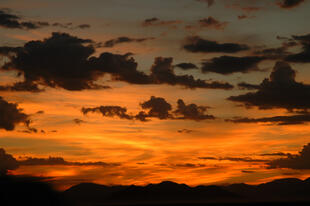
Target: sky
{"x":136,"y":92}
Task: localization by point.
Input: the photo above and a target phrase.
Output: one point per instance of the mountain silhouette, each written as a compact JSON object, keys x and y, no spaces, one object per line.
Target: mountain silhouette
{"x":164,"y":192}
{"x":25,"y":190}
{"x":281,"y":190}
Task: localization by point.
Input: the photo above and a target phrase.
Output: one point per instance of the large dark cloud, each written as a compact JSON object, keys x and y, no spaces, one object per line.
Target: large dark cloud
{"x":11,"y":115}
{"x":191,"y":111}
{"x":12,"y":21}
{"x":280,"y":120}
{"x":299,"y":161}
{"x":155,"y":107}
{"x":197,"y":44}
{"x":231,"y":64}
{"x":304,"y":55}
{"x":212,"y":23}
{"x":65,"y":61}
{"x":288,"y":4}
{"x":119,"y":40}
{"x":162,"y":73}
{"x":7,"y":162}
{"x":280,"y":90}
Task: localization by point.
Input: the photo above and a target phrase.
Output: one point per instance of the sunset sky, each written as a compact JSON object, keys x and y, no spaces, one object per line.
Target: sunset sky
{"x":137,"y":92}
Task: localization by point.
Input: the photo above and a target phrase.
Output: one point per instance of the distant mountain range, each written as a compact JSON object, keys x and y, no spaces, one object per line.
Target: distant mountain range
{"x":282,"y":190}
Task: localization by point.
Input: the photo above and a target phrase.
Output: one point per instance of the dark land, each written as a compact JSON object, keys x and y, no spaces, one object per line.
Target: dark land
{"x":33,"y":191}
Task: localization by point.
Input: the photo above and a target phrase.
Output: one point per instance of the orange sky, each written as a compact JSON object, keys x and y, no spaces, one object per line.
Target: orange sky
{"x":159,"y":149}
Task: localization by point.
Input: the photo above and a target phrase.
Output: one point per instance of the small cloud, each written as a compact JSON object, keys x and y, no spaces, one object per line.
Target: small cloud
{"x":289,"y":4}
{"x":212,"y":23}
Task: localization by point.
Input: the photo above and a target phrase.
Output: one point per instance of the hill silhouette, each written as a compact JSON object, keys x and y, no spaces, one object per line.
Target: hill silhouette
{"x":282,"y":190}
{"x":27,"y":190}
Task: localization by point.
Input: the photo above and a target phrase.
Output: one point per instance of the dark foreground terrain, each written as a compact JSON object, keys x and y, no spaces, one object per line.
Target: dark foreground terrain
{"x":33,"y":191}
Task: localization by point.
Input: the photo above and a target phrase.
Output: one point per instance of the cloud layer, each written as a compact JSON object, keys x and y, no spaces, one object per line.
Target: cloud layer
{"x":155,"y":107}
{"x":65,"y":61}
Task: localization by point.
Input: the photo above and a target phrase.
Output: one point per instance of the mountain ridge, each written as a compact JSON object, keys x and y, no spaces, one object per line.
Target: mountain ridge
{"x":167,"y":192}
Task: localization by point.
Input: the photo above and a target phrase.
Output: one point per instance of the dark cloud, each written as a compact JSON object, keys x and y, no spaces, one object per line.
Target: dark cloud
{"x":9,"y":51}
{"x":234,"y":159}
{"x":149,"y":21}
{"x":207,"y":158}
{"x":66,"y":61}
{"x":280,"y":90}
{"x":109,"y":111}
{"x":304,"y":55}
{"x":157,"y":22}
{"x":279,"y":120}
{"x":70,"y":25}
{"x":155,"y":107}
{"x":273,"y":53}
{"x":247,"y":171}
{"x":12,"y":21}
{"x":275,"y":154}
{"x":21,"y":87}
{"x":32,"y":161}
{"x":244,"y":85}
{"x":186,"y":66}
{"x":288,"y":4}
{"x":197,"y":44}
{"x":119,"y":40}
{"x":78,"y":121}
{"x":162,"y":73}
{"x":83,"y":26}
{"x":158,"y":107}
{"x":303,"y":38}
{"x":191,"y":111}
{"x":7,"y":162}
{"x":187,"y":131}
{"x":188,"y":165}
{"x":209,"y":2}
{"x":278,"y":52}
{"x":212,"y":23}
{"x":230,"y":64}
{"x":11,"y":115}
{"x":243,"y":16}
{"x":299,"y":161}
{"x":241,"y":159}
